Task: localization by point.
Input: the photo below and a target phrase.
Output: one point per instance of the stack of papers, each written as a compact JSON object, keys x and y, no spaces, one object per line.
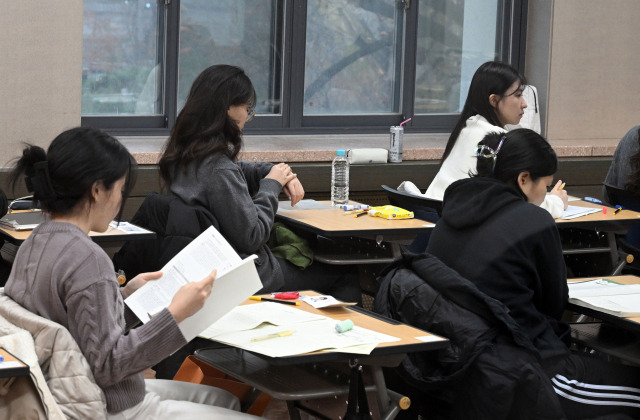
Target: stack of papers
{"x":606,"y":296}
{"x":279,"y":330}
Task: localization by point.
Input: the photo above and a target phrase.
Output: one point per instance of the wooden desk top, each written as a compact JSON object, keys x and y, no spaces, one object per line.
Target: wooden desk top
{"x":12,"y":365}
{"x":409,"y":336}
{"x":334,"y":223}
{"x":632,"y":323}
{"x":623,"y":220}
{"x":110,"y":235}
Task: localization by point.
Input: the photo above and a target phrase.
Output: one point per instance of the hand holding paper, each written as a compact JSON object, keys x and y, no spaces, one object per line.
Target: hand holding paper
{"x":191,"y":297}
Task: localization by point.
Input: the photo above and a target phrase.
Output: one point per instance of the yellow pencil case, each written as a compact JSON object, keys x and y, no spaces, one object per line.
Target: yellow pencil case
{"x":390,"y":212}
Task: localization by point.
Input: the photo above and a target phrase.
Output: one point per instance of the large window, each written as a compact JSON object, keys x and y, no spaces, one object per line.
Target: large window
{"x":317,"y":65}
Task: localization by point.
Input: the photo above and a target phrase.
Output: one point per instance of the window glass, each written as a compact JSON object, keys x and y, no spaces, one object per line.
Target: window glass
{"x":454,"y":38}
{"x":353,"y":57}
{"x":120,"y":71}
{"x":236,"y":32}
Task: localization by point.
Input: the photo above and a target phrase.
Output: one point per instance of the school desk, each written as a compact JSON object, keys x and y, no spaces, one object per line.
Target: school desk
{"x":345,"y":239}
{"x":316,"y":381}
{"x":606,"y":224}
{"x":112,"y":234}
{"x":615,"y":336}
{"x":11,"y":366}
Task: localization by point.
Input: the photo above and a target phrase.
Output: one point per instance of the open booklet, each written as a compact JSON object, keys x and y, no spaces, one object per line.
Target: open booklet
{"x":606,"y":296}
{"x":236,"y":280}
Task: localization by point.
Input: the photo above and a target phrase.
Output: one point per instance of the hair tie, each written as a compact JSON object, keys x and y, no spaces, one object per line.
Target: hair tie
{"x":485,"y":151}
{"x":40,"y":182}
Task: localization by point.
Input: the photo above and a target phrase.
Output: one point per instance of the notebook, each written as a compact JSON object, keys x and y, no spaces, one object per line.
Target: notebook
{"x":22,"y":221}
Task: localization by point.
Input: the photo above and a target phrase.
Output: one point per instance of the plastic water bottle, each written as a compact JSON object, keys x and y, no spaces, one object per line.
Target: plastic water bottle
{"x":340,"y":179}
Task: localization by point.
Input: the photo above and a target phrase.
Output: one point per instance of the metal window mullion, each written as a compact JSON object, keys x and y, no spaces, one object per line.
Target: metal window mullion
{"x":170,"y":62}
{"x":297,"y":42}
{"x":408,"y":73}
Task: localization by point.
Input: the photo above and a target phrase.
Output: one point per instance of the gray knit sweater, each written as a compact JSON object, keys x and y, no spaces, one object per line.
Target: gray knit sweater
{"x":59,"y":273}
{"x":243,"y":202}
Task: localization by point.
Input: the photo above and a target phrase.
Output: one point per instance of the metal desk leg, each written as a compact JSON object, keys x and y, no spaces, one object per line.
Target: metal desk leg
{"x":389,"y":402}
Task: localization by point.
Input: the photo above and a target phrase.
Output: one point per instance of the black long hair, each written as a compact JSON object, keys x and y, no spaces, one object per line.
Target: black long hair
{"x":63,"y":175}
{"x":522,"y":150}
{"x":204,"y":127}
{"x":491,"y":78}
{"x":633,"y":183}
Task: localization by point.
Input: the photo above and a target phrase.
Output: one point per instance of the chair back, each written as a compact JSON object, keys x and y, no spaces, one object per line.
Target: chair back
{"x":631,"y":201}
{"x":424,"y":208}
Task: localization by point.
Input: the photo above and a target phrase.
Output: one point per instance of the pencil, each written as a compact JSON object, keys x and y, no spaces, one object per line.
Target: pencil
{"x":286,"y":302}
{"x":617,"y":210}
{"x":561,"y":186}
{"x":361,"y":214}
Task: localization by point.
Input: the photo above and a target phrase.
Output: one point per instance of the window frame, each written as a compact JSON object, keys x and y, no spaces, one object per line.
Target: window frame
{"x":289,"y":17}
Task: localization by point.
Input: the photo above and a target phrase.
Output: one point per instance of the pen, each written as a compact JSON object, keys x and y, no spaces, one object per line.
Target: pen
{"x":361,"y":214}
{"x":274,"y":335}
{"x":617,"y":210}
{"x":562,"y":186}
{"x":592,"y":200}
{"x":286,"y":302}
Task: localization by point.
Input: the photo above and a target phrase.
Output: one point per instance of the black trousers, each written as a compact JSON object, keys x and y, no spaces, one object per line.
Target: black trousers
{"x":591,"y":388}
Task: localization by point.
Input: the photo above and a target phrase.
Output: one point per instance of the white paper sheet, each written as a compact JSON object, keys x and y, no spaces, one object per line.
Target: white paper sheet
{"x":576,"y":211}
{"x":307,"y":337}
{"x":306,"y":204}
{"x":247,"y":317}
{"x":601,"y":287}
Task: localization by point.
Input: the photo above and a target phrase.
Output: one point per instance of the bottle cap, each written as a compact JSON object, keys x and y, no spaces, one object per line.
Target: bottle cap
{"x":340,"y":152}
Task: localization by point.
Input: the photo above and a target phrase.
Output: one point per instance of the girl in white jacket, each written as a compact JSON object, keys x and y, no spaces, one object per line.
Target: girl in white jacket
{"x":494,"y":100}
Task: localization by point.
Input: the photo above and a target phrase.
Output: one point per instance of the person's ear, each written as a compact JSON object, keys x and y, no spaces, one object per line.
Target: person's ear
{"x":523,"y":179}
{"x":96,"y":189}
{"x":493,"y":100}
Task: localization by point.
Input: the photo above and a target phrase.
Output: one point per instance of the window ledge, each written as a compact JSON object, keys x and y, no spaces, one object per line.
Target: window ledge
{"x":322,"y":148}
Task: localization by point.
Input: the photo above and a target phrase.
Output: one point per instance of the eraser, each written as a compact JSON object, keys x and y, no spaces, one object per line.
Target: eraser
{"x":1,"y":359}
{"x":604,"y":210}
{"x":344,"y":326}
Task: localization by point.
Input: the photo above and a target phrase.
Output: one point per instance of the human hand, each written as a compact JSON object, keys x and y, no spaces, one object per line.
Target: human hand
{"x":559,"y":191}
{"x":191,"y":297}
{"x":294,"y":191}
{"x":139,"y":281}
{"x":281,"y":173}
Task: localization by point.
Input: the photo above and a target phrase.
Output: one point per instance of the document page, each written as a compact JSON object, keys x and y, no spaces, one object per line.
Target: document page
{"x":236,"y":280}
{"x":292,"y":339}
{"x":246,"y":317}
{"x":576,"y":211}
{"x":306,"y":204}
{"x":600,"y":287}
{"x":606,"y":296}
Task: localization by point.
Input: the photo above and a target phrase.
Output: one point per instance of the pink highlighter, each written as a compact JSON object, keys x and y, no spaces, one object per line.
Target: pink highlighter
{"x":286,"y":295}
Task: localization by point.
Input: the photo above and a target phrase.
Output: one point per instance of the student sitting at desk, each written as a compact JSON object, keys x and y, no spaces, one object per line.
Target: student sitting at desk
{"x":492,"y":235}
{"x":493,"y":101}
{"x":200,"y":165}
{"x":60,"y":274}
{"x":624,"y":172}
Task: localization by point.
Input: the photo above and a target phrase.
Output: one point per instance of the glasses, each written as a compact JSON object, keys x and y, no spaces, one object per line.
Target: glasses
{"x":250,"y":114}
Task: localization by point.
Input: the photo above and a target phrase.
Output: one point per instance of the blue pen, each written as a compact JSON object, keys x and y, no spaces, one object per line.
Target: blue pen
{"x":592,"y":200}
